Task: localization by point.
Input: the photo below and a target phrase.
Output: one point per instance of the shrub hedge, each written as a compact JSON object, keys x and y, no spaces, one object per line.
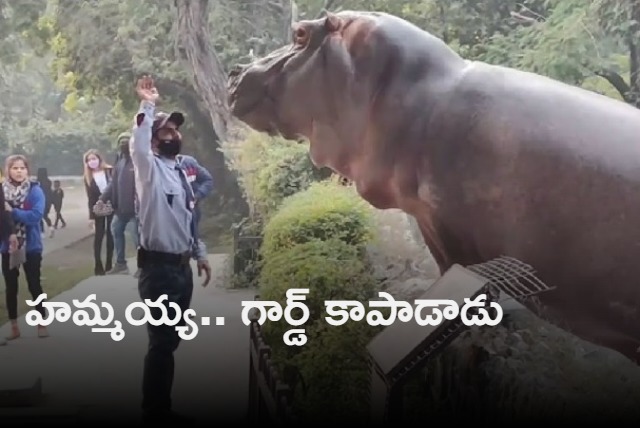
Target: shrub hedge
{"x":331,"y":270}
{"x":315,"y":240}
{"x":325,"y":210}
{"x":270,"y":169}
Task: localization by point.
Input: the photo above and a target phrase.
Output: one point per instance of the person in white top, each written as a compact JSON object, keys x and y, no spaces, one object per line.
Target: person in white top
{"x":97,"y":176}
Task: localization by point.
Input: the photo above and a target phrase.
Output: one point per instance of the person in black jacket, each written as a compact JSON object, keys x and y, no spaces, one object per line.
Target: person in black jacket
{"x":56,"y":200}
{"x":97,"y":177}
{"x":45,"y":183}
{"x":122,"y":195}
{"x":7,"y":232}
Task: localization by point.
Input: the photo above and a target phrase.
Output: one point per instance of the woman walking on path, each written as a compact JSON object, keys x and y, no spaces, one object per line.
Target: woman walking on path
{"x":25,"y":202}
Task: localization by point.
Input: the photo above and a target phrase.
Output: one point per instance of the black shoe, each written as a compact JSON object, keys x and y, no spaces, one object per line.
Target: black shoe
{"x":98,"y":271}
{"x":167,"y":418}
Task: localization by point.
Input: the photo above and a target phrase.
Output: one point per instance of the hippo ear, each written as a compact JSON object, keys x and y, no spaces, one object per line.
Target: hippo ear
{"x":332,"y":22}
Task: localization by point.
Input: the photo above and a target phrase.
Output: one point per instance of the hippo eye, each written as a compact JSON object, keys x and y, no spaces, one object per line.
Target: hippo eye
{"x":300,"y":35}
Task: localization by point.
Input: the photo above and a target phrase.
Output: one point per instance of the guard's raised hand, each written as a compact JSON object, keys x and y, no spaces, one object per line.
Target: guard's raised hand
{"x":146,"y":89}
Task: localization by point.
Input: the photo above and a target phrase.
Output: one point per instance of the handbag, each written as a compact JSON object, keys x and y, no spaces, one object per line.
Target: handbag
{"x":17,"y":258}
{"x":102,"y":209}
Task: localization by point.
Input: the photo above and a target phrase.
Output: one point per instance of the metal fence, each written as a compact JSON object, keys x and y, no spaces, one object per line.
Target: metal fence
{"x":270,"y":399}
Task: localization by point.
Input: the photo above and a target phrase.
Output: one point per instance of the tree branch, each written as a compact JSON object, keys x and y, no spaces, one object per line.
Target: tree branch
{"x":521,"y":19}
{"x":617,"y":82}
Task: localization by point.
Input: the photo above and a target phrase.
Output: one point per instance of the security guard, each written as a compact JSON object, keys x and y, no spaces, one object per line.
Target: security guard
{"x":167,"y":241}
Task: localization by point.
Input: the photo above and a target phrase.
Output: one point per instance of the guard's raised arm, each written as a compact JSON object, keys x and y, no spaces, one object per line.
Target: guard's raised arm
{"x":140,"y":143}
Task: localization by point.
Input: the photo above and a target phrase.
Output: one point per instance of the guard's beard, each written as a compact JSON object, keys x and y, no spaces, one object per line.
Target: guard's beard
{"x":169,"y":148}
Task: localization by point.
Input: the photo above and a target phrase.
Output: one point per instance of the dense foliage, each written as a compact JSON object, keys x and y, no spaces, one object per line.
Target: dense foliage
{"x":269,"y":169}
{"x":316,"y":240}
{"x":324,"y":211}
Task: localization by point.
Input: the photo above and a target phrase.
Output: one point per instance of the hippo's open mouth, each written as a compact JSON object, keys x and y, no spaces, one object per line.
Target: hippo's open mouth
{"x":249,"y":95}
{"x":241,"y":104}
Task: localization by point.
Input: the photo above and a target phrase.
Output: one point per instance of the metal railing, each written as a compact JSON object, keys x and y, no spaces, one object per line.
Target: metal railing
{"x":270,"y":399}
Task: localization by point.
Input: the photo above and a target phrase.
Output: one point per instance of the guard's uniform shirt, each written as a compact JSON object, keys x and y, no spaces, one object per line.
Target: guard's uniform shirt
{"x":164,"y":206}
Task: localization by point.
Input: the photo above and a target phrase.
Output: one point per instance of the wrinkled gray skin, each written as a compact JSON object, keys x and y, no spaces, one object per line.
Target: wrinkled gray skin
{"x":490,"y":161}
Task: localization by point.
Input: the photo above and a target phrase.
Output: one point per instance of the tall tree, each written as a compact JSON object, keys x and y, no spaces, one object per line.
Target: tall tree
{"x":207,"y":72}
{"x":104,"y":46}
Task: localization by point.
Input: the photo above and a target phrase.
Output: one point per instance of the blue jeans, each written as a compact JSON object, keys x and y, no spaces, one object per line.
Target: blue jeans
{"x":118,"y":227}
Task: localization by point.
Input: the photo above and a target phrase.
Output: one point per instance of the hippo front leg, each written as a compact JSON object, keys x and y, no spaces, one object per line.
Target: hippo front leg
{"x":435,"y":244}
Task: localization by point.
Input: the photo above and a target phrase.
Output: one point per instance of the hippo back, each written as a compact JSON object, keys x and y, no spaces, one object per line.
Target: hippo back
{"x":541,"y":171}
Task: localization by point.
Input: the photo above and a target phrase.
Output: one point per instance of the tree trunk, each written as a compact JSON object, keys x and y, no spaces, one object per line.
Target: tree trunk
{"x":208,"y":74}
{"x":209,"y":79}
{"x":634,"y":53}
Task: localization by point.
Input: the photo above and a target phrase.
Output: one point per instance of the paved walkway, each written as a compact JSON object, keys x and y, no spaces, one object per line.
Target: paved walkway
{"x":75,"y":213}
{"x":76,"y":230}
{"x":85,"y":370}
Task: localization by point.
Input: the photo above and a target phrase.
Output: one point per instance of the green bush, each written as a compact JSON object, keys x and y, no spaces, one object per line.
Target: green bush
{"x":288,"y":170}
{"x":334,"y":371}
{"x":333,"y":364}
{"x":325,"y":210}
{"x":331,"y":270}
{"x":315,"y":240}
{"x":269,"y":169}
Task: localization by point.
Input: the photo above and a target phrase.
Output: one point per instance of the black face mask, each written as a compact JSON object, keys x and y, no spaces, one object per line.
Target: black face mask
{"x":169,"y":148}
{"x":124,"y":149}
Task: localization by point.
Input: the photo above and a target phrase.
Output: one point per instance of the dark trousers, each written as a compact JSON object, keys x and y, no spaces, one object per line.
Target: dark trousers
{"x":32,"y":272}
{"x":59,"y":218}
{"x":176,"y":281}
{"x":103,"y":229}
{"x":45,"y":217}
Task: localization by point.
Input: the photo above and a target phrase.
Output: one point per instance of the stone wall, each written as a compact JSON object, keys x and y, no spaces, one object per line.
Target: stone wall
{"x":530,"y":366}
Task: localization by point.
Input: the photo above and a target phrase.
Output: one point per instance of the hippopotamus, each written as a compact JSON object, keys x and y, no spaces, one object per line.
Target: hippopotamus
{"x":490,"y":161}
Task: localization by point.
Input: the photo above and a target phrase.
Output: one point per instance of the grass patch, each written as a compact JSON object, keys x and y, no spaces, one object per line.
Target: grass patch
{"x":55,"y":280}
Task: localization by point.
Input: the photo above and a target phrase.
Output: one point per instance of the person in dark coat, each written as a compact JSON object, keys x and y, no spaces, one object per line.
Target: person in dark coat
{"x":45,"y":184}
{"x":57,"y":198}
{"x":7,"y":233}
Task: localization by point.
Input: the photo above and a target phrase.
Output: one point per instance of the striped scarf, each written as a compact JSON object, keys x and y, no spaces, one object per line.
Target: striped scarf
{"x":15,"y":195}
